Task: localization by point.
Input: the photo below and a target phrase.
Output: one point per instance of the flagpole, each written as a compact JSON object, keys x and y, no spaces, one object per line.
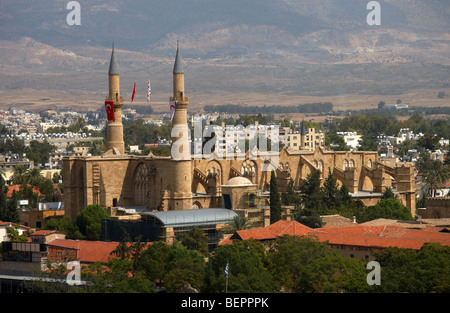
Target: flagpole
{"x":226,"y":286}
{"x":226,"y":274}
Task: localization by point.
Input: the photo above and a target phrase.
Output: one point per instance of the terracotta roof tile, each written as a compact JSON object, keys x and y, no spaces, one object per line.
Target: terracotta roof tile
{"x":277,"y":229}
{"x":356,"y":235}
{"x":88,"y":251}
{"x":16,"y":188}
{"x":43,"y":232}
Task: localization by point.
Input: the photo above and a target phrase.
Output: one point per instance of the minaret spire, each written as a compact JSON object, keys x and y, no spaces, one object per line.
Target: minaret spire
{"x":113,"y":67}
{"x":114,"y":128}
{"x":178,"y":66}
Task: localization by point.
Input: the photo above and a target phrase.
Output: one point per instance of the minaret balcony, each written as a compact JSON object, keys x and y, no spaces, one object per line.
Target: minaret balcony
{"x":179,"y":99}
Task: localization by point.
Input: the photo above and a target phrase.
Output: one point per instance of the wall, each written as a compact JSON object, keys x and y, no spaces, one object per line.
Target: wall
{"x":436,"y":208}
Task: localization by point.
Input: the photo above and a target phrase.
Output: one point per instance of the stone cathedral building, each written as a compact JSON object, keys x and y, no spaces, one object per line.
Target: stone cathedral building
{"x":116,"y":179}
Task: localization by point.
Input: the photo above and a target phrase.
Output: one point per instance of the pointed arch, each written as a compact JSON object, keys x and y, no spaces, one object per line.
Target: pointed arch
{"x":140,"y":184}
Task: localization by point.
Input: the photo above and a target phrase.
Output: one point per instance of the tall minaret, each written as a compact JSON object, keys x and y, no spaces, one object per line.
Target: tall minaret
{"x":181,"y":175}
{"x":114,"y":129}
{"x":179,"y":121}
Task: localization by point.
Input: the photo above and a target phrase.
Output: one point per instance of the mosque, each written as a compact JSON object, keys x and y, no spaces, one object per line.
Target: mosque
{"x":155,"y":186}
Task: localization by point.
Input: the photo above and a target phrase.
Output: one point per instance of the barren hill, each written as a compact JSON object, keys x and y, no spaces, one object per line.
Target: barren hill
{"x":235,"y":51}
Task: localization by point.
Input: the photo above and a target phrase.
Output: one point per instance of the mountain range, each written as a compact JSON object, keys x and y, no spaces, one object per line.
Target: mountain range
{"x":281,"y":49}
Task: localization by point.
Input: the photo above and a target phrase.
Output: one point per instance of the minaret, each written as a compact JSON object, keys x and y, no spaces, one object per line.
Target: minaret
{"x":303,"y":137}
{"x":181,"y":186}
{"x":114,"y":129}
{"x":182,"y":102}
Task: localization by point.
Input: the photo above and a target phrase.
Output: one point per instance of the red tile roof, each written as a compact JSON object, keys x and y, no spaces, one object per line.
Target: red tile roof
{"x":43,"y":232}
{"x":16,"y":188}
{"x":277,"y":229}
{"x":358,"y":235}
{"x":88,"y":251}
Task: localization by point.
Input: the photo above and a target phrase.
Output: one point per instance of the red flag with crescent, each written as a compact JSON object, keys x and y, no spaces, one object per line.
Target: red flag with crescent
{"x":134,"y":92}
{"x":173,"y":105}
{"x":109,"y":106}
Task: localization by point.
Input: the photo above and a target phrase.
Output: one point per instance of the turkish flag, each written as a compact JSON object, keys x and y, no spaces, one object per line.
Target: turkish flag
{"x":109,"y":106}
{"x":134,"y":92}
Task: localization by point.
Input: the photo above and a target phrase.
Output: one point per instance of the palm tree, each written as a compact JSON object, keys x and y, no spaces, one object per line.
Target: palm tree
{"x":34,"y":177}
{"x":436,"y":177}
{"x":19,"y":176}
{"x":239,"y":222}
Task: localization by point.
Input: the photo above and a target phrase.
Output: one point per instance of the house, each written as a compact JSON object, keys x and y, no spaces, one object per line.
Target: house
{"x":3,"y":232}
{"x":22,"y":261}
{"x":356,"y":241}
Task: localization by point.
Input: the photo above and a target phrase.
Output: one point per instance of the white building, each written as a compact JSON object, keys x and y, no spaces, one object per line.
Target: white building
{"x":351,"y":139}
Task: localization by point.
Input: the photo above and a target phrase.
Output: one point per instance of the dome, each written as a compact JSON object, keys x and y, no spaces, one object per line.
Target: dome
{"x":239,"y":181}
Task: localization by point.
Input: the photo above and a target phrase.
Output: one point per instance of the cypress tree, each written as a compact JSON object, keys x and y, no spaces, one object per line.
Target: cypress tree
{"x":275,"y":201}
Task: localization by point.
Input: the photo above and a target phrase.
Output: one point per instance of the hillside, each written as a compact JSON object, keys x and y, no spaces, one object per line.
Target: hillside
{"x":235,"y":51}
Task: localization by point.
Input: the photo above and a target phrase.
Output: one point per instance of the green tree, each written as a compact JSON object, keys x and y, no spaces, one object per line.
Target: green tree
{"x":64,"y":224}
{"x":239,"y":222}
{"x":308,"y":217}
{"x":10,"y":212}
{"x":386,"y":208}
{"x":19,"y":175}
{"x":116,"y":276}
{"x":195,"y":239}
{"x":388,"y":194}
{"x":291,"y":197}
{"x":429,"y":141}
{"x":171,"y":266}
{"x":246,"y":272}
{"x":89,"y":221}
{"x":335,"y":142}
{"x":311,"y":195}
{"x":275,"y":201}
{"x":4,"y":214}
{"x":14,"y":235}
{"x":303,"y":264}
{"x":407,"y":270}
{"x":332,"y":195}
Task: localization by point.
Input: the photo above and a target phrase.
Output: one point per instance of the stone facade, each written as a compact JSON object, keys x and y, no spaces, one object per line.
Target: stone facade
{"x":438,"y":207}
{"x":166,"y":183}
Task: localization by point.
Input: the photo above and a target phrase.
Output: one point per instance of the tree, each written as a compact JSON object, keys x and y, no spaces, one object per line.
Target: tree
{"x":308,"y":217}
{"x":116,"y":276}
{"x":195,"y":239}
{"x":13,"y":234}
{"x":171,"y":266}
{"x":89,"y":221}
{"x":19,"y":176}
{"x":429,"y":141}
{"x":275,"y":202}
{"x":386,"y":208}
{"x":10,"y":211}
{"x":331,"y":195}
{"x":246,"y":272}
{"x":4,"y":214}
{"x":291,"y":197}
{"x":64,"y":224}
{"x":239,"y":222}
{"x":335,"y":142}
{"x":434,"y":172}
{"x":303,"y":264}
{"x":311,"y":195}
{"x":407,"y":270}
{"x":388,"y":194}
{"x":404,"y":147}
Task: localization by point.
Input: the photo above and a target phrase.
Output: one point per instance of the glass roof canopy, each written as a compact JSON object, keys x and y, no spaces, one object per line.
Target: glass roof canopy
{"x":191,"y":218}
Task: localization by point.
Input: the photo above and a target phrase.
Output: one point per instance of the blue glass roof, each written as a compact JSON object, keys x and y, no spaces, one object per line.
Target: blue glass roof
{"x":185,"y":218}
